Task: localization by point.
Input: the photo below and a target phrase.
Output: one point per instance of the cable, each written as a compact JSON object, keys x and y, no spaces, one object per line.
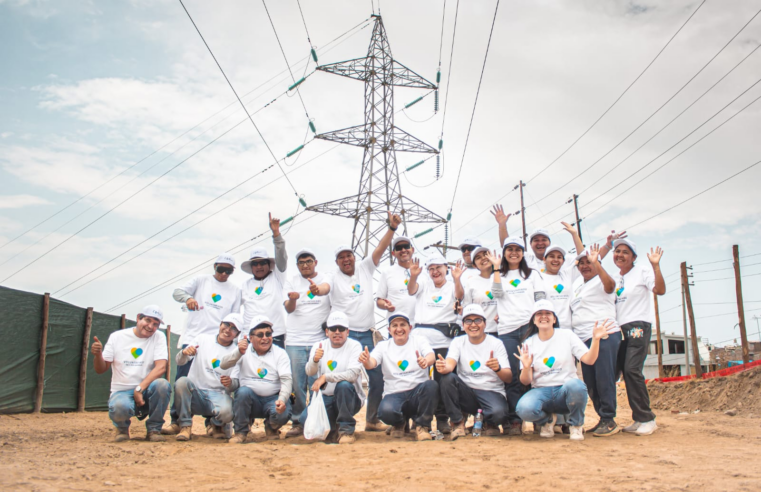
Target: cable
{"x":449,"y":71}
{"x":728,"y":278}
{"x":309,"y":39}
{"x":723,"y":269}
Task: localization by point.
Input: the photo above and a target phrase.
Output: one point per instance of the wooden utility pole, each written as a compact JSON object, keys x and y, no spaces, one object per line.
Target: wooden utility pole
{"x":169,"y":353}
{"x":43,"y":353}
{"x":691,"y":314}
{"x":123,"y":322}
{"x":521,"y":185}
{"x":578,"y":219}
{"x":740,"y":307}
{"x":658,"y":343}
{"x":684,"y":325}
{"x":83,"y":362}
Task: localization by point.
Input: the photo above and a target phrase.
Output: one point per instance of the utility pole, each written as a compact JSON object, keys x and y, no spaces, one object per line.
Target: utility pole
{"x":693,"y":331}
{"x":740,"y":307}
{"x":658,"y":343}
{"x":523,"y":215}
{"x":686,"y":340}
{"x":578,"y":222}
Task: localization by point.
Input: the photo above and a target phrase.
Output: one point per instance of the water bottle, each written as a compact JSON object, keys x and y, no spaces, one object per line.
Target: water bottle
{"x":478,"y":423}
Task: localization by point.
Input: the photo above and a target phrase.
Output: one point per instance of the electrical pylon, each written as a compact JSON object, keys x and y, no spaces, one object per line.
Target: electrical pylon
{"x":379,"y":187}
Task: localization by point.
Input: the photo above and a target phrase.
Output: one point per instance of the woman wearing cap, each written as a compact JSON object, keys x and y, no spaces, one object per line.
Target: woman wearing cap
{"x":593,"y":302}
{"x":477,"y":288}
{"x":548,"y":363}
{"x":539,"y":239}
{"x":634,"y":313}
{"x":516,"y":290}
{"x":558,"y":276}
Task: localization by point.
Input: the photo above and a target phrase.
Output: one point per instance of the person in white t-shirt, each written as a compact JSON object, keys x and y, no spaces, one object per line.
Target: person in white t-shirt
{"x":548,"y":363}
{"x":482,"y":372}
{"x":539,"y":239}
{"x":208,"y":299}
{"x":592,"y":302}
{"x":137,"y":358}
{"x":264,"y":291}
{"x":261,"y":380}
{"x":392,"y":287}
{"x":351,"y":292}
{"x":408,"y":393}
{"x":335,"y":362}
{"x":477,"y":289}
{"x":468,"y":257}
{"x":636,"y":285}
{"x":308,"y":307}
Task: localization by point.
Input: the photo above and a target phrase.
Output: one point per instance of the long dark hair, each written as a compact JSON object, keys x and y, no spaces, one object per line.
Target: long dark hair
{"x":523,"y":266}
{"x":533,"y":329}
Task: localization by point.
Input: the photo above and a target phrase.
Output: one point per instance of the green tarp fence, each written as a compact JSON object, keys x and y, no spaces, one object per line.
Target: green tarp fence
{"x":20,"y":338}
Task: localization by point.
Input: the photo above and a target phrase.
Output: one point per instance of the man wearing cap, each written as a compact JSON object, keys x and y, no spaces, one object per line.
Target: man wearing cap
{"x":351,"y":292}
{"x":137,"y":358}
{"x":539,"y":239}
{"x":261,"y":380}
{"x":482,"y":372}
{"x":205,"y":390}
{"x":408,"y":393}
{"x":334,"y":361}
{"x":308,"y":307}
{"x":208,"y":299}
{"x":392,"y":287}
{"x":466,"y":248}
{"x":263,"y":292}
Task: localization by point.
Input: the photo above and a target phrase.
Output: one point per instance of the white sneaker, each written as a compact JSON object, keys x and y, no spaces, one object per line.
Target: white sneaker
{"x":646,"y":428}
{"x":632,"y":428}
{"x":577,"y":433}
{"x":548,"y":429}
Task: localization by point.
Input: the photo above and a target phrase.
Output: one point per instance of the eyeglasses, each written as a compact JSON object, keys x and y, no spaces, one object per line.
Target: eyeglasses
{"x":263,"y":334}
{"x":225,"y":270}
{"x":477,"y":321}
{"x":305,"y":263}
{"x":467,"y":249}
{"x":260,"y":263}
{"x":339,"y":329}
{"x":402,"y":246}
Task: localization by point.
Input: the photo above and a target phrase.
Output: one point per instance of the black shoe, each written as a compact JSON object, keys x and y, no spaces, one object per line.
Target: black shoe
{"x":607,"y":428}
{"x":597,"y":425}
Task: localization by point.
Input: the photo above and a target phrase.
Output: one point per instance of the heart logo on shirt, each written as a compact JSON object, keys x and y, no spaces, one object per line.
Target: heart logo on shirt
{"x":619,"y":291}
{"x":549,"y":362}
{"x":406,"y":281}
{"x":489,"y":294}
{"x":136,"y":352}
{"x":310,"y":295}
{"x":332,"y":364}
{"x":515,"y":282}
{"x":216,"y":297}
{"x":214,"y":363}
{"x":261,"y":372}
{"x":258,"y":290}
{"x":474,"y":364}
{"x":355,"y":288}
{"x":436,"y":298}
{"x":559,"y":288}
{"x":403,"y":365}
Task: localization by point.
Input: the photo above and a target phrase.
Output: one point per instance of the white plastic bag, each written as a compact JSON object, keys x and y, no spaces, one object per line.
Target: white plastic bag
{"x":317,"y":425}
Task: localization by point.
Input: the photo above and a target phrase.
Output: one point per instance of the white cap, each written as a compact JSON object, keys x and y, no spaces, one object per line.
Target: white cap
{"x":398,"y":314}
{"x":585,"y":253}
{"x":342,"y":248}
{"x":479,"y":249}
{"x":539,"y":232}
{"x":225,"y":258}
{"x":543,"y":305}
{"x":258,"y":320}
{"x":153,"y":311}
{"x":257,"y":254}
{"x":473,"y":309}
{"x":625,"y":242}
{"x":435,"y":259}
{"x":338,"y":318}
{"x":554,"y":248}
{"x":400,"y":239}
{"x":470,"y":241}
{"x":235,"y":319}
{"x":305,"y":251}
{"x":513,"y":240}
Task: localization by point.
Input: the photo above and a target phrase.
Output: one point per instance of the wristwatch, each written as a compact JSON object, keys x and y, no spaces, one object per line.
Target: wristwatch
{"x":138,"y":389}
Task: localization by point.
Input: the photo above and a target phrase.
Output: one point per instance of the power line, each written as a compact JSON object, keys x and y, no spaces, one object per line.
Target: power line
{"x":723,"y":269}
{"x":449,"y":71}
{"x":305,"y":25}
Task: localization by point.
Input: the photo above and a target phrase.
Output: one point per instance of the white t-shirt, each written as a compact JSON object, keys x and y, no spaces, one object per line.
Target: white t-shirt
{"x":478,"y":291}
{"x":558,"y":290}
{"x":215,"y":301}
{"x":393,"y":286}
{"x":541,"y":265}
{"x":353,"y":295}
{"x":265,"y":298}
{"x":554,"y":359}
{"x":304,"y":324}
{"x":132,"y":358}
{"x":205,"y":371}
{"x":401,"y":371}
{"x":469,"y":273}
{"x":517,"y":304}
{"x":262,"y":374}
{"x":590,"y":303}
{"x":471,"y":362}
{"x":634,"y":295}
{"x":434,"y":305}
{"x":336,"y":360}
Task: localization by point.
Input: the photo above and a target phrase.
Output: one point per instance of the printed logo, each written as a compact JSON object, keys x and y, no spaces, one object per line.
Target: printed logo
{"x":558,"y":288}
{"x":261,"y":372}
{"x":549,"y":362}
{"x":474,"y":364}
{"x":216,"y":297}
{"x":310,"y":295}
{"x":406,"y":281}
{"x":259,"y":290}
{"x":214,"y":363}
{"x":635,"y":333}
{"x":332,"y":364}
{"x":436,"y":298}
{"x":403,"y":365}
{"x":489,"y":294}
{"x":542,"y":270}
{"x":619,"y":291}
{"x":355,"y":288}
{"x":515,"y":282}
{"x":136,"y":352}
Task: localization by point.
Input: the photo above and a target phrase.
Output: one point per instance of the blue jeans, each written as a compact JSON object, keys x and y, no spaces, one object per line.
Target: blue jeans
{"x":301,"y":382}
{"x":121,"y":405}
{"x":459,"y":397}
{"x":248,"y":406}
{"x":341,"y":407}
{"x":514,"y":389}
{"x":417,"y":404}
{"x":189,"y":401}
{"x":538,"y":403}
{"x":600,"y":377}
{"x":375,"y":385}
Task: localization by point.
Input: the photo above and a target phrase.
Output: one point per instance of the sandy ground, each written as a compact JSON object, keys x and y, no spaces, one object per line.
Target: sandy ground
{"x":703,"y":451}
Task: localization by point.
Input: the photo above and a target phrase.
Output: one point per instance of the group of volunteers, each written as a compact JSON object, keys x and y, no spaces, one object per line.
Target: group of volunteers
{"x":499,"y":335}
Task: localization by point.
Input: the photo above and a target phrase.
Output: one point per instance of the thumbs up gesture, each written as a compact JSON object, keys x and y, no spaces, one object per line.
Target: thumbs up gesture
{"x":421,"y":361}
{"x":441,"y":365}
{"x":493,"y":363}
{"x":318,"y":353}
{"x":364,"y":357}
{"x":313,"y":287}
{"x":97,"y":347}
{"x":190,"y":350}
{"x":243,"y":344}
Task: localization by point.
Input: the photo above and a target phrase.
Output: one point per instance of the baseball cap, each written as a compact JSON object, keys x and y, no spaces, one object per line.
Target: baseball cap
{"x":470,"y":241}
{"x":342,"y":248}
{"x":225,"y":258}
{"x":234,"y":319}
{"x":153,"y":311}
{"x":400,"y":239}
{"x":554,"y":248}
{"x":435,"y":259}
{"x":543,"y":305}
{"x":257,"y":254}
{"x":398,"y":314}
{"x":473,"y":309}
{"x":479,"y":249}
{"x":515,"y":241}
{"x":539,"y":232}
{"x":305,"y":251}
{"x":259,"y":320}
{"x":625,"y":242}
{"x":338,"y":318}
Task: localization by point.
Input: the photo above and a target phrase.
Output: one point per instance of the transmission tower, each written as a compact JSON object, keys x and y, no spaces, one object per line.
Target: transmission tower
{"x":379,"y":187}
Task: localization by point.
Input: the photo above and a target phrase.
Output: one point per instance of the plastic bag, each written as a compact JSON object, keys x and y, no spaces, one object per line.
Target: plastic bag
{"x":317,"y":425}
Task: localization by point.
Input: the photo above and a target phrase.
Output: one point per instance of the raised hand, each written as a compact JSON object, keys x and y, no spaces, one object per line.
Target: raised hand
{"x":313,"y":287}
{"x":525,"y":357}
{"x":655,"y":255}
{"x":441,"y":365}
{"x":415,"y":268}
{"x":601,"y":330}
{"x":226,"y":381}
{"x":97,"y":347}
{"x":495,"y":259}
{"x":394,"y":221}
{"x":421,"y":361}
{"x":493,"y":363}
{"x":569,"y":228}
{"x":613,"y":236}
{"x":243,"y":344}
{"x":458,"y":270}
{"x":594,"y":253}
{"x":293,"y":296}
{"x":275,"y":226}
{"x":192,"y":304}
{"x":364,"y":356}
{"x":190,"y":350}
{"x":279,"y":406}
{"x":499,"y":215}
{"x":318,"y":353}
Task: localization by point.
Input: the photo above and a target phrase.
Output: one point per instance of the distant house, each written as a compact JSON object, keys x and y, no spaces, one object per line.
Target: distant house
{"x":725,"y":356}
{"x":673,"y":356}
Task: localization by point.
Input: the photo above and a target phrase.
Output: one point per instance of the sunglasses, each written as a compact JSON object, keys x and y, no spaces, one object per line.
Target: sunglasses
{"x":223,"y":270}
{"x":467,"y":249}
{"x":231,"y":327}
{"x":263,"y":334}
{"x":339,"y":329}
{"x":400,"y":247}
{"x":260,"y":263}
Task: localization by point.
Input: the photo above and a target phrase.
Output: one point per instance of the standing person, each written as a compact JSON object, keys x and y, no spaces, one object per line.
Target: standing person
{"x":516,"y":289}
{"x":539,"y":239}
{"x":482,"y":371}
{"x":263,"y":293}
{"x":351,"y":292}
{"x":466,"y":248}
{"x":392,"y":287}
{"x":477,"y":288}
{"x":408,"y":392}
{"x":335,"y":362}
{"x":436,"y":319}
{"x":137,"y":358}
{"x":593,"y":301}
{"x":635,"y":316}
{"x":548,"y":363}
{"x":308,"y":306}
{"x":208,"y":299}
{"x":558,"y":276}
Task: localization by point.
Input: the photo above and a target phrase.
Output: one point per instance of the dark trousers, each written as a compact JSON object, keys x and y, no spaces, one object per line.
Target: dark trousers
{"x":460,"y":398}
{"x":441,"y":413}
{"x":341,"y":408}
{"x":600,"y":377}
{"x":375,"y":376}
{"x":182,"y":372}
{"x":631,"y":360}
{"x":417,"y":404}
{"x":279,"y":341}
{"x":514,"y":389}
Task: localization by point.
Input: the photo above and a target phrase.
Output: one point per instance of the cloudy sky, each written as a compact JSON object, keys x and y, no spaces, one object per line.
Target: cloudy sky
{"x":126,"y":94}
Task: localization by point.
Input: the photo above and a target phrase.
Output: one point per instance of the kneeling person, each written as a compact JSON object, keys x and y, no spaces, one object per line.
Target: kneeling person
{"x":408,"y":393}
{"x":335,"y":361}
{"x":482,"y":372}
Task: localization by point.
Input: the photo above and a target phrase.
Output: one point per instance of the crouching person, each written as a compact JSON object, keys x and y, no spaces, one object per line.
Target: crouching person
{"x":137,"y":358}
{"x":335,"y":362}
{"x":482,"y":372}
{"x":408,"y":393}
{"x":261,"y":380}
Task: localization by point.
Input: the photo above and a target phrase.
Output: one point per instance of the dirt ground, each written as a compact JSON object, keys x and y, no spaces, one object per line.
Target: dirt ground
{"x":704,"y":451}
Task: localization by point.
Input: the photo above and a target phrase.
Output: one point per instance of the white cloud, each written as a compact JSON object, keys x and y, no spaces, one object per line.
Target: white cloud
{"x":20,"y":201}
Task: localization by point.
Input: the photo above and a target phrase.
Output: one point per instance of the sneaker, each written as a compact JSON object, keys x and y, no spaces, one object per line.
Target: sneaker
{"x":375,"y":427}
{"x":423,"y":434}
{"x":346,"y":439}
{"x":238,"y":438}
{"x":577,"y":433}
{"x":593,"y":429}
{"x":548,"y":430}
{"x":184,"y":434}
{"x":515,"y":429}
{"x":271,"y":433}
{"x":458,"y":430}
{"x":121,"y":435}
{"x":607,"y":428}
{"x":332,"y":437}
{"x":397,"y":431}
{"x":646,"y":428}
{"x":631,"y":429}
{"x":218,"y":432}
{"x":295,"y":431}
{"x":443,"y":426}
{"x":155,"y":436}
{"x":171,"y":429}
{"x":490,"y":430}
